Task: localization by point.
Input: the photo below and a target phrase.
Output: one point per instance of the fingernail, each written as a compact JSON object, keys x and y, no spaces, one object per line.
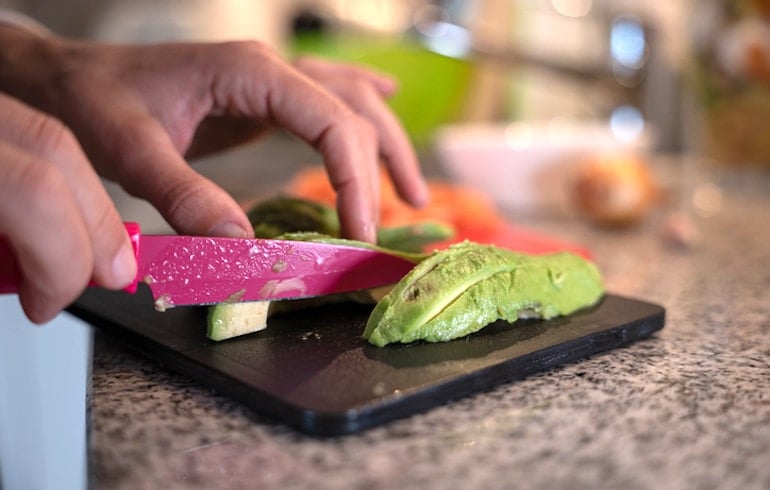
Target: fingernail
{"x":423,"y":195}
{"x":370,"y":232}
{"x":124,"y":266}
{"x":230,"y":229}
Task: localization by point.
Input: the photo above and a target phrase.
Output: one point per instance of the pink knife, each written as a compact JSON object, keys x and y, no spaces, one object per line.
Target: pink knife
{"x":190,"y":270}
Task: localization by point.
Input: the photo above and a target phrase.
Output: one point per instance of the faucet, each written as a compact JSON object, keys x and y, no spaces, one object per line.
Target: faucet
{"x":631,"y":76}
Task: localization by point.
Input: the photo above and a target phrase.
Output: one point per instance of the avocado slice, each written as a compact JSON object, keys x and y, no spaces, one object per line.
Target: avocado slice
{"x":461,"y":289}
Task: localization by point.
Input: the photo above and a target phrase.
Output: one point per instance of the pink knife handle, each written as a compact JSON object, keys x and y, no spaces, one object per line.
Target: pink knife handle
{"x":10,"y":275}
{"x":134,"y":232}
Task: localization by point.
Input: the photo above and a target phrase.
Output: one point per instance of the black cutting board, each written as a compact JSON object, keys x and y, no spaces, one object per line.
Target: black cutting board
{"x":311,"y":370}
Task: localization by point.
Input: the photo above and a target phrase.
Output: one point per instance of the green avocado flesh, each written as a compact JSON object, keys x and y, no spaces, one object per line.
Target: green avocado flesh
{"x":449,"y":294}
{"x":229,"y":320}
{"x":459,"y":290}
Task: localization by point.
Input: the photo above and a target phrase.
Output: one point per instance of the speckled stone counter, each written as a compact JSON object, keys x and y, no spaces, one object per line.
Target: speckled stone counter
{"x":687,"y":409}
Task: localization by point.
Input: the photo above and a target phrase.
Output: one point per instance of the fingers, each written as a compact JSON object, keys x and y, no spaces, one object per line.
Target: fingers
{"x":352,"y":166}
{"x":55,"y":214}
{"x":363,"y":91}
{"x":242,"y":80}
{"x":55,"y":262}
{"x":253,"y":81}
{"x":149,"y":166}
{"x":53,"y":145}
{"x":134,"y":110}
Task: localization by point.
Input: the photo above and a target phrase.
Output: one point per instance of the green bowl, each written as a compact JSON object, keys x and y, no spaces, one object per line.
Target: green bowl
{"x":432,"y":87}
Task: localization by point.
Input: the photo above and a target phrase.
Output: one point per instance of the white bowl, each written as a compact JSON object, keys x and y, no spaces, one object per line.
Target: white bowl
{"x":523,"y":167}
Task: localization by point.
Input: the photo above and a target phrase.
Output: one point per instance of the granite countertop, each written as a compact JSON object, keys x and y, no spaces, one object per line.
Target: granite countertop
{"x":688,"y":408}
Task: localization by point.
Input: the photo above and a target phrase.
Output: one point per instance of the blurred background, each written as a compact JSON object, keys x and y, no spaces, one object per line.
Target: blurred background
{"x":506,"y":94}
{"x":458,"y":60}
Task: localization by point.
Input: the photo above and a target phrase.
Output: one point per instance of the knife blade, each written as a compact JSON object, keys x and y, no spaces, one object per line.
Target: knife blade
{"x":193,"y":270}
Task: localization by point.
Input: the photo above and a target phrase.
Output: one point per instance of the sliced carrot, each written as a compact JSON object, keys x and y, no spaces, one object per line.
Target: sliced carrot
{"x":449,"y":202}
{"x":472,"y":213}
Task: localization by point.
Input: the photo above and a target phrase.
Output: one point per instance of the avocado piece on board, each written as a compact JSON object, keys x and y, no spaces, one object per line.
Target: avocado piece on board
{"x":461,"y":289}
{"x":227,"y":320}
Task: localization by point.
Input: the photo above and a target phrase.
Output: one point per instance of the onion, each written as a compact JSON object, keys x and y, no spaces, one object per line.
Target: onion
{"x":615,"y":189}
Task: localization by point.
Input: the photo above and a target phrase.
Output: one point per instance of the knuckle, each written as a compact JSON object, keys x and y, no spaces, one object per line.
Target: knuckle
{"x":52,"y":138}
{"x":349,"y":128}
{"x":363,"y":127}
{"x":354,"y":140}
{"x":185,"y":203}
{"x":40,"y":185}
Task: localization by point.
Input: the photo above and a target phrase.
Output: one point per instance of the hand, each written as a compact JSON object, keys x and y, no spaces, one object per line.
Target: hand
{"x":365,"y":92}
{"x":55,"y":214}
{"x":137,"y":110}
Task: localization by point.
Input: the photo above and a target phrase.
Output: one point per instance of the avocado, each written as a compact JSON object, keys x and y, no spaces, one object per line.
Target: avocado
{"x":285,"y":214}
{"x":228,"y":320}
{"x":413,"y":237}
{"x":461,"y":289}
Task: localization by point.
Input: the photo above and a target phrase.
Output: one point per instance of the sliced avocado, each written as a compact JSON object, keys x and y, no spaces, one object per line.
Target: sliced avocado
{"x":459,"y":290}
{"x":414,"y":237}
{"x":285,"y":214}
{"x":227,"y":320}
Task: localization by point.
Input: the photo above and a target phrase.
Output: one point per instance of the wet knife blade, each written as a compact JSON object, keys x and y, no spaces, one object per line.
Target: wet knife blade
{"x":192,"y":270}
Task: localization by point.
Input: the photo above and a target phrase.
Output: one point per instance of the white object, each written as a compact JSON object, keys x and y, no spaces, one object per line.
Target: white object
{"x":525,"y":167}
{"x":44,"y":373}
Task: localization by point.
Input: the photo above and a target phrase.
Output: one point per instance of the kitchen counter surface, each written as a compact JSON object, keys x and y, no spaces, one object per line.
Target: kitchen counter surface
{"x":688,"y":408}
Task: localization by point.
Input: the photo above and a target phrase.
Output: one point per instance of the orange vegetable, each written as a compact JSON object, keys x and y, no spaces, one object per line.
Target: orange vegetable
{"x":472,"y":214}
{"x":463,"y":207}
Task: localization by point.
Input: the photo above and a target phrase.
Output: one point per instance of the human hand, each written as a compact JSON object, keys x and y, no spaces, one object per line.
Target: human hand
{"x":138,"y":109}
{"x":365,"y":92}
{"x":55,"y":215}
